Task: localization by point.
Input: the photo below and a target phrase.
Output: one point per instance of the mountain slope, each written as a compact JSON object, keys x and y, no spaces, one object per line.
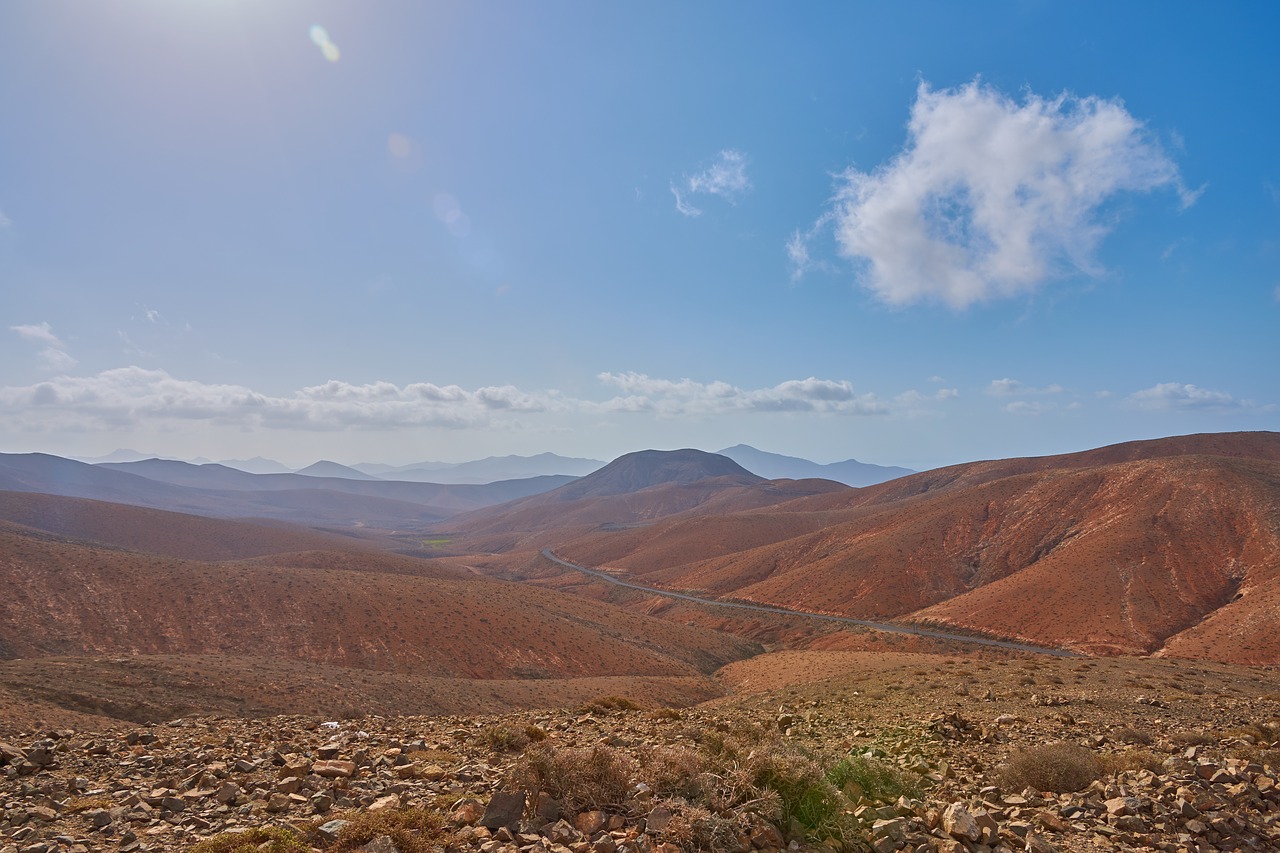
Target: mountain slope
{"x":1134,"y":548}
{"x":70,"y":599}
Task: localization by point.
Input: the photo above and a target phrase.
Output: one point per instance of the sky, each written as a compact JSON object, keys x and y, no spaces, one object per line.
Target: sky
{"x":909,"y":233}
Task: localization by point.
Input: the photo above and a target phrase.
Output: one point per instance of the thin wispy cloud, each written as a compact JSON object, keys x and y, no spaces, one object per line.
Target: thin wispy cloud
{"x":726,"y":177}
{"x":129,"y":396}
{"x":671,"y":398}
{"x":1011,"y":387}
{"x":1183,"y":397}
{"x":5,"y":221}
{"x":990,"y":197}
{"x":1029,"y":407}
{"x":54,"y":356}
{"x":37,"y":332}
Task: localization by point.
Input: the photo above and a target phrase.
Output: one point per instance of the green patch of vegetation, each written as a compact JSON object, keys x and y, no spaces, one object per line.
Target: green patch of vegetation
{"x":861,"y":776}
{"x":437,"y":543}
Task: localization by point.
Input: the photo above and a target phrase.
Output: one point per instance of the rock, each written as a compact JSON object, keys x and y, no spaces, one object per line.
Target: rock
{"x":390,"y":801}
{"x":334,"y":769}
{"x":658,"y":819}
{"x":959,"y":823}
{"x":546,"y":808}
{"x":1120,"y":806}
{"x":329,"y":831}
{"x":381,"y":844}
{"x":504,"y":810}
{"x":1039,"y":844}
{"x":589,"y":823}
{"x":467,"y":812}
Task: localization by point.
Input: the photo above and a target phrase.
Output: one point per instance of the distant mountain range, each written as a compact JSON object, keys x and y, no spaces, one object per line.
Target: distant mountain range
{"x":770,"y":466}
{"x":486,"y":470}
{"x":774,"y":466}
{"x":222,"y":491}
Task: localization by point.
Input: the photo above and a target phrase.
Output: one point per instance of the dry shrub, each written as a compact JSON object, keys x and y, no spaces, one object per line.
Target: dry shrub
{"x":590,"y":778}
{"x":1130,"y":735}
{"x":82,"y":804}
{"x":605,"y":704}
{"x":412,"y":830}
{"x":1191,"y":739}
{"x":697,"y":828}
{"x":535,"y":733}
{"x":666,"y":714}
{"x":267,"y":839}
{"x":1059,"y":767}
{"x":502,"y":738}
{"x":1133,"y":759}
{"x":676,"y":771}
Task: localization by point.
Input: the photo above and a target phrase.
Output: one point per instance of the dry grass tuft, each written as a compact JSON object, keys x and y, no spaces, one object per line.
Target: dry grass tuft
{"x":261,"y":839}
{"x":411,"y":830}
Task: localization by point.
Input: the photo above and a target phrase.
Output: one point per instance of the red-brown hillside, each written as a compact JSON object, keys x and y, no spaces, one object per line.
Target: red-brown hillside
{"x":62,"y":598}
{"x":1103,"y":551}
{"x":156,"y":531}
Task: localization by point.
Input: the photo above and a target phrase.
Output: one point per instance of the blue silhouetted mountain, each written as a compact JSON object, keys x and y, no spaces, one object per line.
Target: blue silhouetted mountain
{"x":775,"y":466}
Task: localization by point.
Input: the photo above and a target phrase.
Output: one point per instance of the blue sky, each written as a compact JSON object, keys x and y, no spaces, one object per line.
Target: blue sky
{"x":910,"y":233}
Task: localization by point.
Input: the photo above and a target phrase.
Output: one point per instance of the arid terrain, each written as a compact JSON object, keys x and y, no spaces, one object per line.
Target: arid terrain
{"x":172,"y":681}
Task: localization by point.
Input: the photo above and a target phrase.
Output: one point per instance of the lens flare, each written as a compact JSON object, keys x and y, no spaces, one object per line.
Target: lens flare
{"x":320,"y":37}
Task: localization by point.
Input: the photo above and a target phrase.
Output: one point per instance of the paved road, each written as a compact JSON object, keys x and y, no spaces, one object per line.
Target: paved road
{"x":844,"y":620}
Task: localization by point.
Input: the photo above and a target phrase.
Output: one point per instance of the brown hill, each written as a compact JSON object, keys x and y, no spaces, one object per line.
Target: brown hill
{"x":635,"y":489}
{"x":69,"y":599}
{"x":1101,"y":551}
{"x":156,"y":531}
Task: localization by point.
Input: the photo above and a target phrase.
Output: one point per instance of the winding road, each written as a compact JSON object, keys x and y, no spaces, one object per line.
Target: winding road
{"x":844,"y":620}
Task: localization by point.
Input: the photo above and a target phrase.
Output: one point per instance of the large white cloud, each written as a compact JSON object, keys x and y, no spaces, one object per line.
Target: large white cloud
{"x":990,"y":196}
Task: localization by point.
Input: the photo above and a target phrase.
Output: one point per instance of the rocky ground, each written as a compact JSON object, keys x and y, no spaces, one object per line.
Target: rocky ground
{"x":932,"y":753}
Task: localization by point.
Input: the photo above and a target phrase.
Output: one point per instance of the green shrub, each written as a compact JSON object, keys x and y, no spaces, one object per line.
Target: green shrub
{"x":872,"y":779}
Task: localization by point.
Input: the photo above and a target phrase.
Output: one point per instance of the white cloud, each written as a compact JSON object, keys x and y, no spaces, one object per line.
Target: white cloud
{"x":5,"y":221}
{"x":683,"y":206}
{"x":1177,"y":396}
{"x":1027,"y":407}
{"x":56,"y":360}
{"x":1012,"y":387}
{"x":687,"y":397}
{"x":130,"y":395}
{"x":40,"y":333}
{"x":991,"y":197}
{"x":152,"y":315}
{"x":54,"y":356}
{"x":726,"y":178}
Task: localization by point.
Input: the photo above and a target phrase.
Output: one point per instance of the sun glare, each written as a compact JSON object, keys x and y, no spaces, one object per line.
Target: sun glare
{"x":320,"y":36}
